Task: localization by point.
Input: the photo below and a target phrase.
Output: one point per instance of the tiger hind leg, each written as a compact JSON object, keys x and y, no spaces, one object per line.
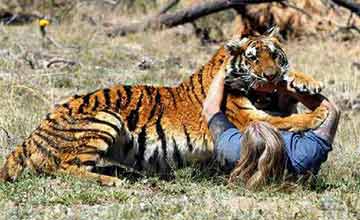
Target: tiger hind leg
{"x":109,"y":135}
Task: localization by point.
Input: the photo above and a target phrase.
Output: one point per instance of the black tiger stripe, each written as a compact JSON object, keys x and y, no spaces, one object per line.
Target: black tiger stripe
{"x":86,"y":148}
{"x":184,"y":87}
{"x":107,"y":97}
{"x":177,"y":155}
{"x":155,"y":106}
{"x":115,"y":116}
{"x":85,"y":102}
{"x":118,"y":100}
{"x":232,"y":64}
{"x":50,"y":144}
{"x":241,"y":107}
{"x":95,"y":131}
{"x":139,"y":157}
{"x":86,"y":120}
{"x":47,"y":139}
{"x":95,"y":120}
{"x":228,"y":111}
{"x":64,"y":138}
{"x":193,"y":89}
{"x":154,"y":160}
{"x":96,"y":104}
{"x":149,"y":90}
{"x":201,"y":83}
{"x":75,"y":130}
{"x":24,"y":149}
{"x":41,"y":148}
{"x":133,"y":117}
{"x":128,"y":91}
{"x":188,"y":140}
{"x":70,"y":111}
{"x":161,"y":134}
{"x":128,"y":146}
{"x":172,"y":95}
{"x":66,"y":105}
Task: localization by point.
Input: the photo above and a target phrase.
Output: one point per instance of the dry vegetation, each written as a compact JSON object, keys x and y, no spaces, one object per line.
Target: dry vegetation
{"x":28,"y":90}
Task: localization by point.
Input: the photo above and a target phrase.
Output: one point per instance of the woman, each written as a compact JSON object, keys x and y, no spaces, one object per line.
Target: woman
{"x":262,"y":153}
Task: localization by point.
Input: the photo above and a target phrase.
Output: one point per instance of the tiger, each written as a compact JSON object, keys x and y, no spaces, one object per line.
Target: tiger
{"x":154,"y":129}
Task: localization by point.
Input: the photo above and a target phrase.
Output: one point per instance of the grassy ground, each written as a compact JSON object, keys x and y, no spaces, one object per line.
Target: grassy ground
{"x":28,"y":90}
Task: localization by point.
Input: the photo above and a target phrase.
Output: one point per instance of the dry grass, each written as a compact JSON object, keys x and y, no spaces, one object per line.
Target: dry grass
{"x":162,"y":58}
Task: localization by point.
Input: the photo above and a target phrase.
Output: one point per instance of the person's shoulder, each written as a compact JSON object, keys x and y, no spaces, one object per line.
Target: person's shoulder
{"x":306,"y":150}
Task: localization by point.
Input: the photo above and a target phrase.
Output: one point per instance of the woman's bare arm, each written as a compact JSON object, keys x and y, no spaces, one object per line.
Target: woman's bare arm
{"x":214,"y":97}
{"x":327,"y":129}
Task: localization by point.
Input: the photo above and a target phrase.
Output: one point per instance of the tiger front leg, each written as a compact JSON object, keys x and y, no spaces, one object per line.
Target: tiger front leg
{"x":294,"y":122}
{"x":300,"y":122}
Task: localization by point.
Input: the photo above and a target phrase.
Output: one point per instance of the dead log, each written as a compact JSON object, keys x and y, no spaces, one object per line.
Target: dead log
{"x":350,"y":5}
{"x":183,"y":16}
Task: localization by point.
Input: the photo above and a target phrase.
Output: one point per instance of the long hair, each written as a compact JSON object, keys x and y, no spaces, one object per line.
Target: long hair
{"x":262,"y":157}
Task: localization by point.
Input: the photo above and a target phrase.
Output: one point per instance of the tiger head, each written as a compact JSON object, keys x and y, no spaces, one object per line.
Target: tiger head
{"x":258,"y":59}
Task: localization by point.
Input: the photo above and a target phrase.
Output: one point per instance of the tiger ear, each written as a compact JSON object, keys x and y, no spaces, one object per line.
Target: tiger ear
{"x":233,"y":46}
{"x":273,"y":32}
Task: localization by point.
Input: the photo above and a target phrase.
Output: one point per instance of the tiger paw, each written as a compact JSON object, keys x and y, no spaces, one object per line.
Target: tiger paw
{"x":110,"y":181}
{"x":303,"y":83}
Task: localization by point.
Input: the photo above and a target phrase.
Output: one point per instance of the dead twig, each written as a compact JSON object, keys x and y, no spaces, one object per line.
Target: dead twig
{"x":56,"y":61}
{"x":29,"y":60}
{"x":8,"y":138}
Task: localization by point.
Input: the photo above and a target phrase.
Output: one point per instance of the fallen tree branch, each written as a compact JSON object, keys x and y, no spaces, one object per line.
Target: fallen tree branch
{"x":183,"y":16}
{"x":350,"y":5}
{"x":287,"y":4}
{"x":168,"y":6}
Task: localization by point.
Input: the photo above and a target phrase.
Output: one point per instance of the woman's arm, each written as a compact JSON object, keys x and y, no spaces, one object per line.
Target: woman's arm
{"x":224,"y":134}
{"x":216,"y":120}
{"x":327,"y":129}
{"x":214,"y":97}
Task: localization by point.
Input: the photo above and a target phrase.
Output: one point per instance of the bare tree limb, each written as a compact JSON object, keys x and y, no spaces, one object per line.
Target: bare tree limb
{"x":168,"y":6}
{"x":350,"y":5}
{"x":287,"y":4}
{"x":183,"y":16}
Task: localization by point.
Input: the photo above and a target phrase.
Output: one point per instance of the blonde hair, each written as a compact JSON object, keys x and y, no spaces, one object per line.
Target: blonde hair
{"x":262,"y":157}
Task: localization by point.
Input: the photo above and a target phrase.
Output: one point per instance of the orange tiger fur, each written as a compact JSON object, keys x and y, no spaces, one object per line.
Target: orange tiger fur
{"x":153,"y":129}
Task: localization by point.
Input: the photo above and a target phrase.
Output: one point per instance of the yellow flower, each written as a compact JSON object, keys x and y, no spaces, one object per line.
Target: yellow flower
{"x":43,"y":22}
